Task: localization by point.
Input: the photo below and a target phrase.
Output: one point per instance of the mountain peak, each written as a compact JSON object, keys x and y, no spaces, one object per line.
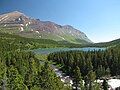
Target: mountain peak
{"x":41,"y":29}
{"x":13,"y":14}
{"x":68,"y":26}
{"x":18,"y":12}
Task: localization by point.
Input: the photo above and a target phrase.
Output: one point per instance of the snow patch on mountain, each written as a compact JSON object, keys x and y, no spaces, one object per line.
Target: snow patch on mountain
{"x":61,"y":37}
{"x":21,"y":29}
{"x":31,"y":29}
{"x":37,"y":32}
{"x":21,"y":25}
{"x":3,"y":18}
{"x":5,"y":25}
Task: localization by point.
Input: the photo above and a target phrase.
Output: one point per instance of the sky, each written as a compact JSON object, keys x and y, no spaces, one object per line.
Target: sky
{"x":98,"y":19}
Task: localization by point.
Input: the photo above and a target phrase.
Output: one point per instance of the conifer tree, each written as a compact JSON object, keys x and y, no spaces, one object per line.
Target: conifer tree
{"x":105,"y":84}
{"x":78,"y":82}
{"x":91,"y":77}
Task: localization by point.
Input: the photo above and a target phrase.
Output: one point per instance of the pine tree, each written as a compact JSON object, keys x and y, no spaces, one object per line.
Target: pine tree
{"x":105,"y":84}
{"x":15,"y":81}
{"x":107,"y":72}
{"x":47,"y":80}
{"x":3,"y":78}
{"x":78,"y":82}
{"x":29,"y":77}
{"x":91,"y":77}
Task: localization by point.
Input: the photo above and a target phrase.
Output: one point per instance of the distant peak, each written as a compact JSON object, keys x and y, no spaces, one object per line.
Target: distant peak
{"x":48,"y":22}
{"x":68,"y":26}
{"x":13,"y":12}
{"x":17,"y":12}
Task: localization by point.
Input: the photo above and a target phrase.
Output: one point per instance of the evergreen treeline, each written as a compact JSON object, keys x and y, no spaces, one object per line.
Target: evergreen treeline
{"x":88,"y":66}
{"x":30,"y":43}
{"x":21,"y":70}
{"x":26,"y":43}
{"x":105,"y":44}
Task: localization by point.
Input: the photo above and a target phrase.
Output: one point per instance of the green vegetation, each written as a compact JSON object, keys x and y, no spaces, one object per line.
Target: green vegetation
{"x":105,"y":85}
{"x":21,"y":70}
{"x":67,"y":38}
{"x":9,"y":30}
{"x":89,"y":66}
{"x":30,"y":43}
{"x":27,"y":43}
{"x":42,"y":57}
{"x":105,"y":44}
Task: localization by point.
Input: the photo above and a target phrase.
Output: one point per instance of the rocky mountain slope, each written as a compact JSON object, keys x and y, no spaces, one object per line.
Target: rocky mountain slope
{"x":20,"y":24}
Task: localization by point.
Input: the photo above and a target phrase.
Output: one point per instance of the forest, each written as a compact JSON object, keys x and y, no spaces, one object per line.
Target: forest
{"x":89,"y":66}
{"x":21,"y":70}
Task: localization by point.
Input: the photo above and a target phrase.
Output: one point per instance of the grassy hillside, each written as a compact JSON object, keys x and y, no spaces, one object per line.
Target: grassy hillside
{"x":27,"y":43}
{"x":105,"y":44}
{"x":34,"y":43}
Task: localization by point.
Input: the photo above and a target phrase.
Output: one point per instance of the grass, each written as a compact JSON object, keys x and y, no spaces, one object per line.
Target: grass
{"x":11,"y":30}
{"x":41,"y":56}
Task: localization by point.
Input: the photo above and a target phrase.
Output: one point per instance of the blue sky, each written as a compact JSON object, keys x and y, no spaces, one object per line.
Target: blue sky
{"x":99,"y":19}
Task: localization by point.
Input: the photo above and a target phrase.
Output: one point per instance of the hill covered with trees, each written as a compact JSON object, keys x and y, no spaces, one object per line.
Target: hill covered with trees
{"x":89,"y":66}
{"x":106,"y":44}
{"x":21,"y":70}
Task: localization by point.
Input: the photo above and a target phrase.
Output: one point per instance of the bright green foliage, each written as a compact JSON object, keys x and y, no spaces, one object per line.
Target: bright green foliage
{"x":20,"y":69}
{"x":96,"y":86}
{"x":47,"y":79}
{"x":14,"y":80}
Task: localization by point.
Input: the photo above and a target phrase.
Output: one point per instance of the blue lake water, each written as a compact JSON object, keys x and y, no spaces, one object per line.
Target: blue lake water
{"x":51,"y":50}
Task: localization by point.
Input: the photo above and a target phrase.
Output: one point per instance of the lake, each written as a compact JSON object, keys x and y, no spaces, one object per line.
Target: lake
{"x":51,"y":50}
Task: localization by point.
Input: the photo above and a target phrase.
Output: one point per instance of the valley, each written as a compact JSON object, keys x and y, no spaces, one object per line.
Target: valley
{"x":42,"y":55}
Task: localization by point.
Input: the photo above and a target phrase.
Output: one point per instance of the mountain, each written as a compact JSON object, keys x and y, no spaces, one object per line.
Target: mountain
{"x":112,"y":43}
{"x":20,"y":24}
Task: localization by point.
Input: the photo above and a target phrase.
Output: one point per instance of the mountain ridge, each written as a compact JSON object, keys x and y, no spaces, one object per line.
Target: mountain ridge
{"x":35,"y":28}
